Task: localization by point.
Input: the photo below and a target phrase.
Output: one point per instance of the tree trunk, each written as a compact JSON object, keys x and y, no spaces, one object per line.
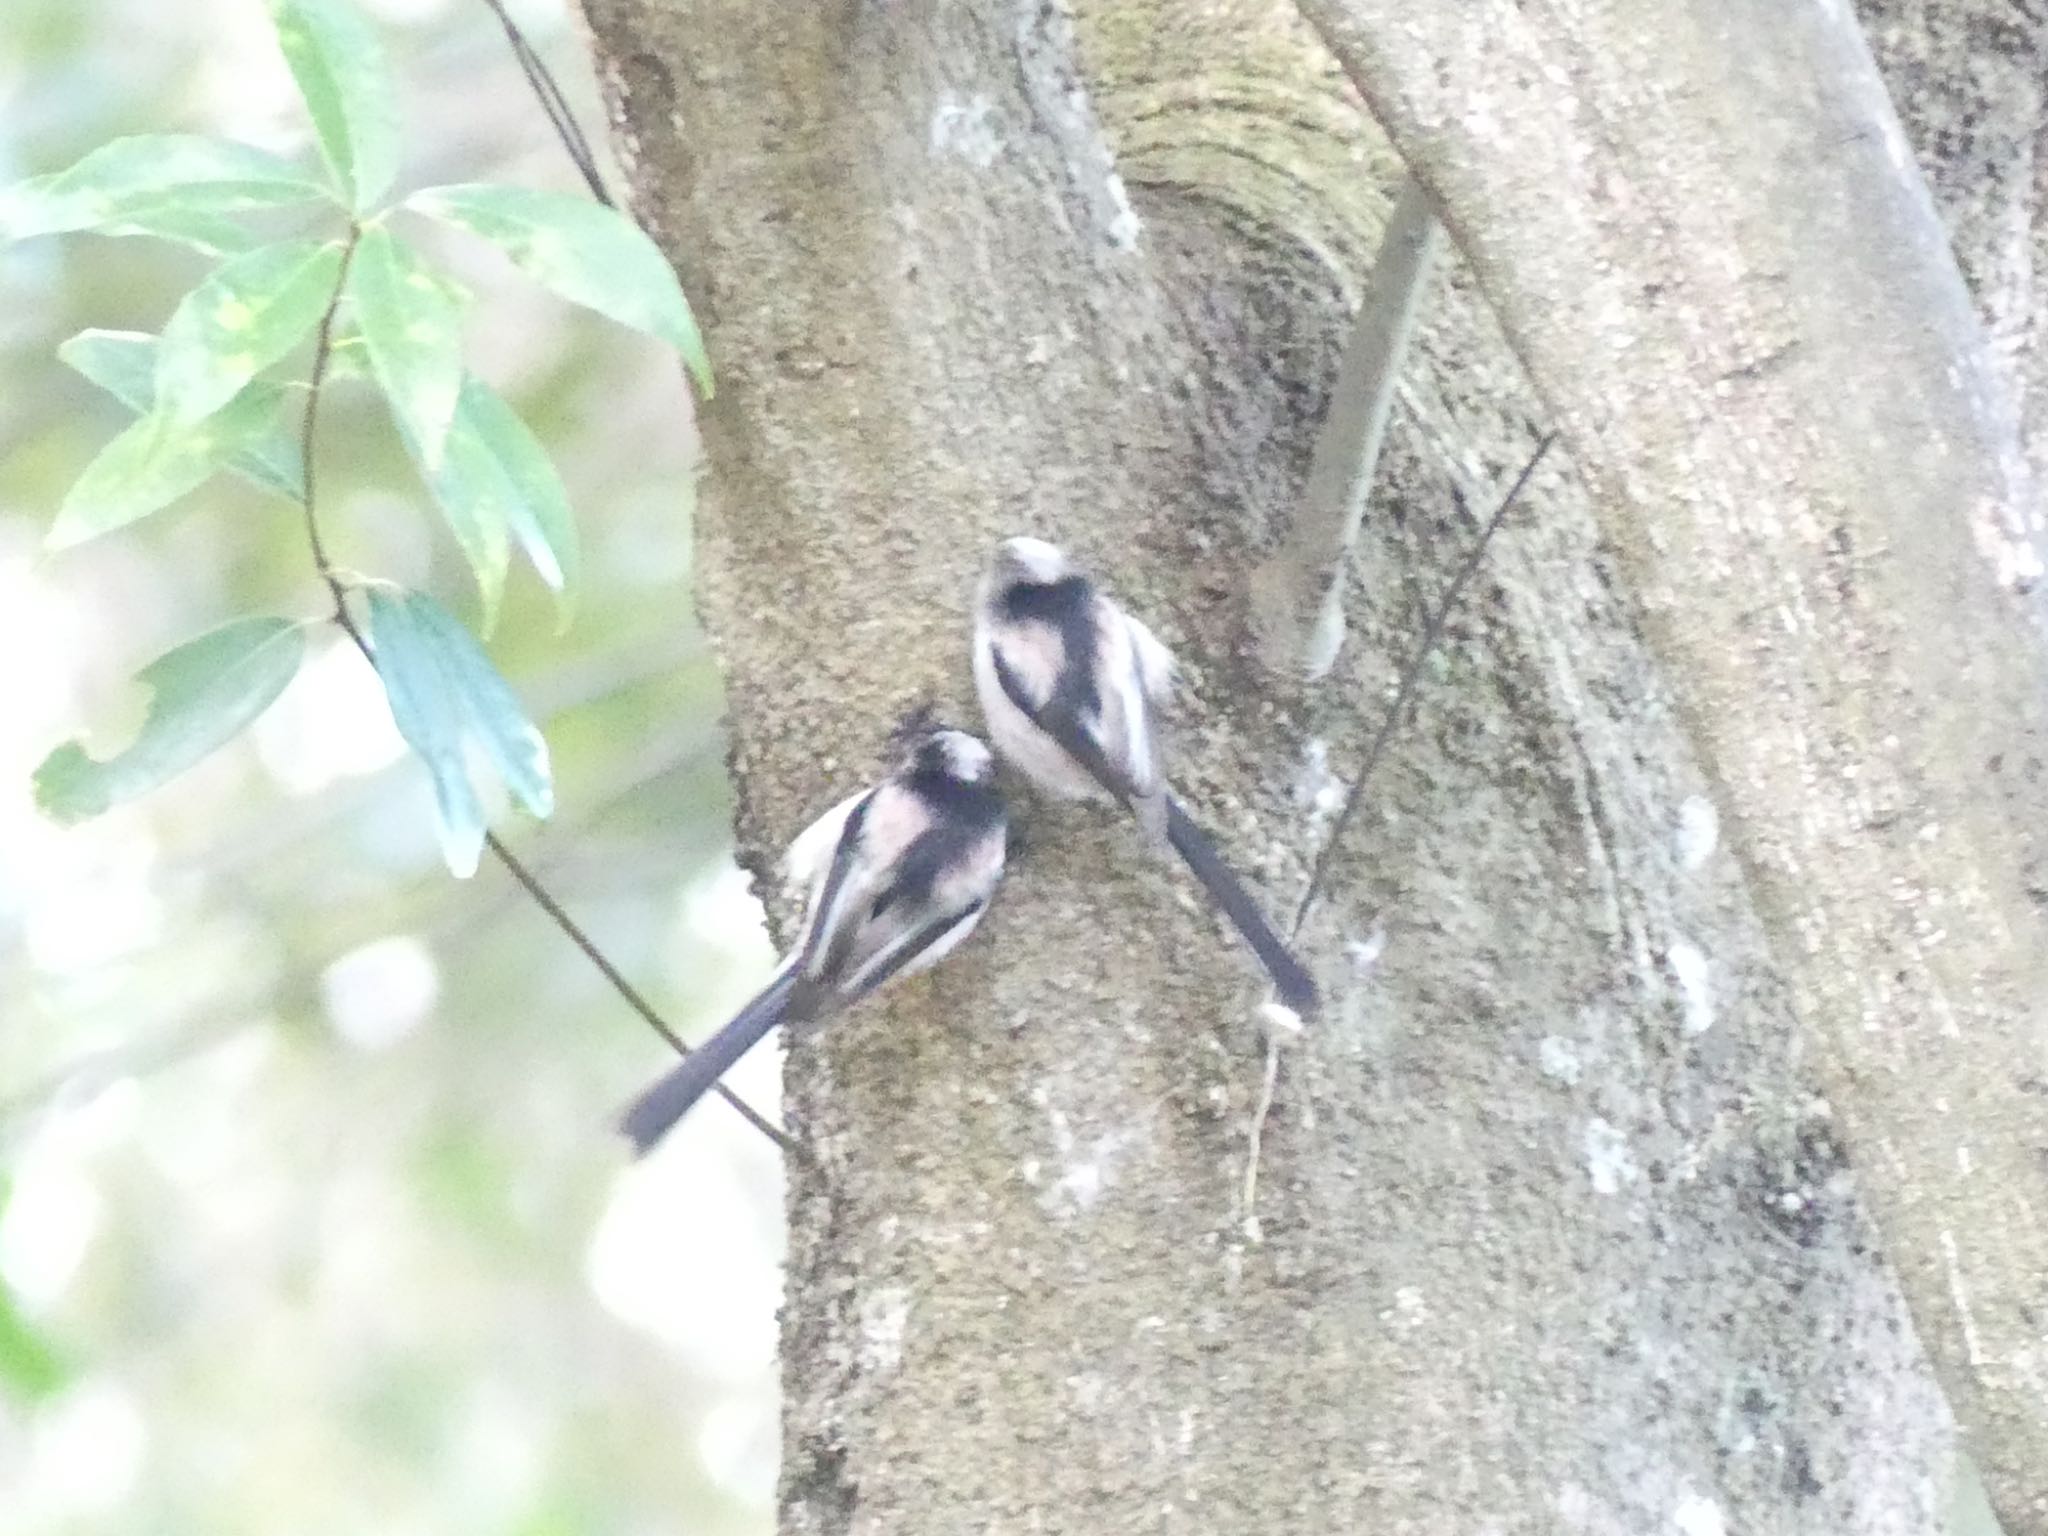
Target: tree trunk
{"x":1711,"y":243}
{"x":1554,"y":1226}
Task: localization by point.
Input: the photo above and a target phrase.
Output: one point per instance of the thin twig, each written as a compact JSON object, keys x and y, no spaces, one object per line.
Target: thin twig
{"x":323,"y":346}
{"x":553,"y":103}
{"x":1411,"y":676}
{"x":1255,"y":1139}
{"x":1432,"y":632}
{"x":626,"y":989}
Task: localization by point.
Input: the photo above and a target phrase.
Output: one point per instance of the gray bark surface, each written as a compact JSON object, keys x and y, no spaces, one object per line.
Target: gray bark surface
{"x":1970,"y":81}
{"x":1708,"y":238}
{"x":1558,"y":1231}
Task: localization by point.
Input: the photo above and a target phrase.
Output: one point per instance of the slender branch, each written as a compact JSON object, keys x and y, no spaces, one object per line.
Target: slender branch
{"x":1298,"y":592}
{"x":627,"y":990}
{"x":1255,"y":1138}
{"x":1411,"y":676}
{"x":553,"y":103}
{"x":323,"y":347}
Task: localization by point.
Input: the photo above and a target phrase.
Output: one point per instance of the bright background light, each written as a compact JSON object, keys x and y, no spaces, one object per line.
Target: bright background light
{"x":311,"y":1214}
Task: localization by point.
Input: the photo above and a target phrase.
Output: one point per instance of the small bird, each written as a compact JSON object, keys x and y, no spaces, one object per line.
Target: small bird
{"x":898,"y":874}
{"x":1070,"y":686}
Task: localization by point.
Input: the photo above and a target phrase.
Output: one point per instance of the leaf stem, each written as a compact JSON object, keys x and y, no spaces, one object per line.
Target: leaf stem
{"x":323,"y":347}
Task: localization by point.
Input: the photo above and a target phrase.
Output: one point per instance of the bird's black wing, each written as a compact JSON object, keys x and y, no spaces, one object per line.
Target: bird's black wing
{"x":917,"y":942}
{"x":942,"y":876}
{"x":823,"y":932}
{"x":1060,"y":719}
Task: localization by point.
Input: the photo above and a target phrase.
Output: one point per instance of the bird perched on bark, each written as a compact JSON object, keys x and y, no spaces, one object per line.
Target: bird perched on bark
{"x":1071,"y":687}
{"x":898,"y":875}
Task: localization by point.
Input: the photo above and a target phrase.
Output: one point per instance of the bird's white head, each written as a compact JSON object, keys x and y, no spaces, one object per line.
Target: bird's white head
{"x":1031,"y":560}
{"x":958,"y":754}
{"x":923,"y":741}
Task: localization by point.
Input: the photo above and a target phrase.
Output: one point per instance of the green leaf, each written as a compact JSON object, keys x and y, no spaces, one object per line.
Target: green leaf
{"x":123,"y":363}
{"x":197,"y":227}
{"x":201,"y":695}
{"x":537,"y":508}
{"x":495,"y":477}
{"x":29,"y":1368}
{"x":413,"y":328}
{"x":338,"y":61}
{"x":157,"y":460}
{"x":149,"y":174}
{"x":250,"y":313}
{"x":446,"y":696}
{"x":583,"y":251}
{"x":349,"y":357}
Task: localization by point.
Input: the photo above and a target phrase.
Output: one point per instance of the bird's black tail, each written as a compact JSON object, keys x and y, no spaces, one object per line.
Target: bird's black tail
{"x":1297,"y":990}
{"x":651,"y":1115}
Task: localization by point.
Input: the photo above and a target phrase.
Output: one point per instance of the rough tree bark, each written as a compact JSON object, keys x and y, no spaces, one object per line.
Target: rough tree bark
{"x":1557,"y":1232}
{"x":1722,"y":266}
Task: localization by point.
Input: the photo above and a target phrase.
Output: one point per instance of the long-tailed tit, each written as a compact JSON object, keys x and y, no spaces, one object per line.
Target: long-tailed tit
{"x":1070,"y":686}
{"x":898,"y":875}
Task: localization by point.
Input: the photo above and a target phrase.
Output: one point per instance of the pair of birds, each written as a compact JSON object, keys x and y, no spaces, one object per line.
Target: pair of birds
{"x":899,"y":874}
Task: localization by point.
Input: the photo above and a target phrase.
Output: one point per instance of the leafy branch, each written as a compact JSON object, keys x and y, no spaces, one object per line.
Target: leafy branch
{"x":206,"y":401}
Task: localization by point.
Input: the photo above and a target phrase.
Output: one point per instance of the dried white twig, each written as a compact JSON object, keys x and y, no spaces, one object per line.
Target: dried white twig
{"x":1297,"y":594}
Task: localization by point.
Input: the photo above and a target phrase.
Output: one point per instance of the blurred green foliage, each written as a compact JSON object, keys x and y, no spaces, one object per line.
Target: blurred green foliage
{"x":312,"y":1219}
{"x":206,"y":407}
